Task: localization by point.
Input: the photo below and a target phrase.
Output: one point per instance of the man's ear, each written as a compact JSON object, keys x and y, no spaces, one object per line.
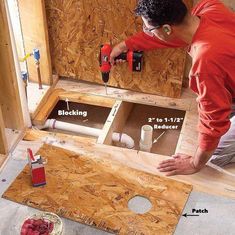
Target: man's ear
{"x":167,"y":29}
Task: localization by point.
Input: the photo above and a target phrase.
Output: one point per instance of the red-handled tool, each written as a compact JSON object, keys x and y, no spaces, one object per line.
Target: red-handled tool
{"x":134,"y":59}
{"x":105,"y":65}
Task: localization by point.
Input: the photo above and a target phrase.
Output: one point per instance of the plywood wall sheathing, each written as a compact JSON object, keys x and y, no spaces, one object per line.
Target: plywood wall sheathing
{"x":9,"y":94}
{"x":35,"y":35}
{"x":77,"y":28}
{"x":96,"y":192}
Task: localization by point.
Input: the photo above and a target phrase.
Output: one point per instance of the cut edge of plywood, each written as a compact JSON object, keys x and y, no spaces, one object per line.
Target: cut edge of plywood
{"x":183,"y":103}
{"x":32,"y":135}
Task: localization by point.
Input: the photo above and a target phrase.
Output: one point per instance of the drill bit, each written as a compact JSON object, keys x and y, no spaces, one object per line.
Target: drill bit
{"x":106,"y":89}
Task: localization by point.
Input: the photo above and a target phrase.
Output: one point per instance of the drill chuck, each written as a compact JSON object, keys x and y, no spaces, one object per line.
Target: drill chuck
{"x":105,"y":77}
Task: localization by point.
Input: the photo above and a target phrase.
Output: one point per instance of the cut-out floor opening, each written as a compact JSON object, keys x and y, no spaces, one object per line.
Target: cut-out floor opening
{"x":151,"y":115}
{"x":89,"y":115}
{"x":139,"y":205}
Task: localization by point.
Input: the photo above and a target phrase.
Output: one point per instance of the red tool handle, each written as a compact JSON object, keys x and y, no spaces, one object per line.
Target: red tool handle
{"x":105,"y":52}
{"x":30,"y":153}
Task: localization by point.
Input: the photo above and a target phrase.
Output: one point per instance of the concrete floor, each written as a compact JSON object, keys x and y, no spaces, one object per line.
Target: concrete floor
{"x":219,"y":220}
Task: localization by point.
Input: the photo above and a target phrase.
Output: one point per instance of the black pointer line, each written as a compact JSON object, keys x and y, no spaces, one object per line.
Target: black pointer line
{"x":186,"y":215}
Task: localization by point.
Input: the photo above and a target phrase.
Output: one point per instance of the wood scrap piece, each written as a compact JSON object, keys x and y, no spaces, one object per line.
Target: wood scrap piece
{"x":96,"y":191}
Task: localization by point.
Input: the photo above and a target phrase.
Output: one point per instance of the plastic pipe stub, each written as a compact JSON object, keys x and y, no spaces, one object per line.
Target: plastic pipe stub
{"x":144,"y":147}
{"x":146,"y":140}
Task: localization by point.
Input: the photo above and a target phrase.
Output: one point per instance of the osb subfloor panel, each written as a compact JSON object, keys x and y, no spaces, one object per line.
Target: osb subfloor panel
{"x":96,"y":192}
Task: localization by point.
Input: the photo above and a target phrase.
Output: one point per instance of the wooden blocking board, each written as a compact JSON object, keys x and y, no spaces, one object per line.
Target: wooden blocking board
{"x":96,"y":192}
{"x":77,"y":28}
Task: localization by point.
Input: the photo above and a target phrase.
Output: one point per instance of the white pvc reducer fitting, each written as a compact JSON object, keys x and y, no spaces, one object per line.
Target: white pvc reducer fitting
{"x":146,"y":140}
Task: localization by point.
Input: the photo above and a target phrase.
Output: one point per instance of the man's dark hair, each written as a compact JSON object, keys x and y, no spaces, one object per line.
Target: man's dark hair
{"x":160,"y":12}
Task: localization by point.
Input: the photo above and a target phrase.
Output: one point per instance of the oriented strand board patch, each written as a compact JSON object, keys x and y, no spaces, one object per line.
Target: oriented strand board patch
{"x":77,"y":28}
{"x":96,"y":192}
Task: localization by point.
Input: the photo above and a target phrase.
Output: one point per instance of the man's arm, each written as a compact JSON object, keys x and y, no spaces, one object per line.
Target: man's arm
{"x":143,"y":42}
{"x":201,"y":158}
{"x":214,"y":9}
{"x":214,"y":109}
{"x":182,"y":164}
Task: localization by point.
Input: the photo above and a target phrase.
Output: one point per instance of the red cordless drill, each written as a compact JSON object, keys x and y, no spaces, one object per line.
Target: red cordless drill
{"x":134,"y":58}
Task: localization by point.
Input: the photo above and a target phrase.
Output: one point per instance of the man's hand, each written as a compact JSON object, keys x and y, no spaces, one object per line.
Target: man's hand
{"x":180,"y":164}
{"x":117,"y":50}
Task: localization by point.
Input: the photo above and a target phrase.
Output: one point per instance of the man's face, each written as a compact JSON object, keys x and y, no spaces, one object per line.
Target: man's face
{"x":153,"y":31}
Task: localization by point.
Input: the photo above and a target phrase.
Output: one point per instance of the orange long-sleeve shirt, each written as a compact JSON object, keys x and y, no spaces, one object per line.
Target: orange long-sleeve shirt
{"x":212,"y":75}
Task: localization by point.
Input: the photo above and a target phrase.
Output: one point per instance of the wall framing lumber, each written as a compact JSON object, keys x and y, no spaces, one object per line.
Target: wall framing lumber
{"x":38,"y":105}
{"x":3,"y":140}
{"x":3,"y":160}
{"x":9,"y":95}
{"x":35,"y":35}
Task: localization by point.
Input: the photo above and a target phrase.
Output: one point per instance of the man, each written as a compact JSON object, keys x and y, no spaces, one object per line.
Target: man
{"x":209,"y":35}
